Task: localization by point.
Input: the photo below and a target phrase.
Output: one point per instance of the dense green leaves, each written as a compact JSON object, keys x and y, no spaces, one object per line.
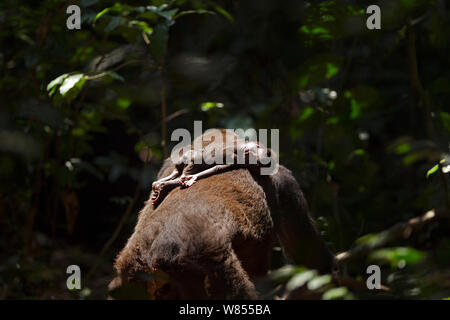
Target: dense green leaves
{"x":397,"y":257}
{"x":432,"y":170}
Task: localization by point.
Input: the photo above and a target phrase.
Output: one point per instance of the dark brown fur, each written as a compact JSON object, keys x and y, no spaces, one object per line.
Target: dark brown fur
{"x":214,"y":238}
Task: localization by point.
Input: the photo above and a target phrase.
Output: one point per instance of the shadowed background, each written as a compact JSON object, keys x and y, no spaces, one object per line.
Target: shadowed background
{"x":363,"y":117}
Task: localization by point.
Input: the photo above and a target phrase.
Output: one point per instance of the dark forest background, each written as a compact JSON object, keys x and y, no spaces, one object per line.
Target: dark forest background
{"x":86,"y":117}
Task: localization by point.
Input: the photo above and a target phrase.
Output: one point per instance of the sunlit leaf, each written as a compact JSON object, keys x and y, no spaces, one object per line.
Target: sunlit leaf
{"x":300,"y":279}
{"x":70,"y":82}
{"x":206,"y":106}
{"x":142,"y":25}
{"x":123,"y":103}
{"x":403,"y":148}
{"x":356,"y":109}
{"x":306,"y":114}
{"x":100,"y":14}
{"x":319,"y":282}
{"x":318,"y":69}
{"x":285,"y":272}
{"x":332,"y":69}
{"x":222,"y":11}
{"x":372,"y":239}
{"x":397,"y":257}
{"x":333,"y":120}
{"x":54,"y":83}
{"x":432,"y":170}
{"x":335,"y":293}
{"x":319,"y":32}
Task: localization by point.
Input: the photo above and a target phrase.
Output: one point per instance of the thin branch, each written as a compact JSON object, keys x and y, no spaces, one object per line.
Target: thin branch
{"x":104,"y":73}
{"x":402,"y":229}
{"x":176,"y":114}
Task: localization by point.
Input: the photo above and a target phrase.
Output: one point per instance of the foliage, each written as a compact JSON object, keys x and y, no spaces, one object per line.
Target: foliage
{"x":84,"y":113}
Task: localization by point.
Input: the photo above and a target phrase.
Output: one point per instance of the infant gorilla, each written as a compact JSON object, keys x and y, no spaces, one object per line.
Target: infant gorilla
{"x":197,"y":164}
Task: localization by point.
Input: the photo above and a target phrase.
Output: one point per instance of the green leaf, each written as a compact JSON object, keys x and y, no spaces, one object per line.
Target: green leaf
{"x":142,"y":25}
{"x":158,"y":41}
{"x":332,"y":69}
{"x":319,"y":282}
{"x":123,"y":103}
{"x":319,"y":32}
{"x":335,"y":293}
{"x":200,"y":11}
{"x":100,"y":14}
{"x":333,"y":120}
{"x":432,"y":170}
{"x":285,"y":272}
{"x":403,"y":148}
{"x":221,"y":10}
{"x":140,"y":145}
{"x":397,"y":257}
{"x":372,"y":240}
{"x":118,"y":9}
{"x":168,"y":14}
{"x":306,"y":114}
{"x":300,"y":279}
{"x":70,"y":82}
{"x":356,"y":109}
{"x":316,"y":70}
{"x":331,"y":165}
{"x":361,"y":98}
{"x":224,"y":13}
{"x":56,"y":82}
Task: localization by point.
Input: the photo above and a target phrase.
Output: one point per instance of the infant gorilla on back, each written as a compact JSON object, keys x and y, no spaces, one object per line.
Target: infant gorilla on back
{"x":219,"y":156}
